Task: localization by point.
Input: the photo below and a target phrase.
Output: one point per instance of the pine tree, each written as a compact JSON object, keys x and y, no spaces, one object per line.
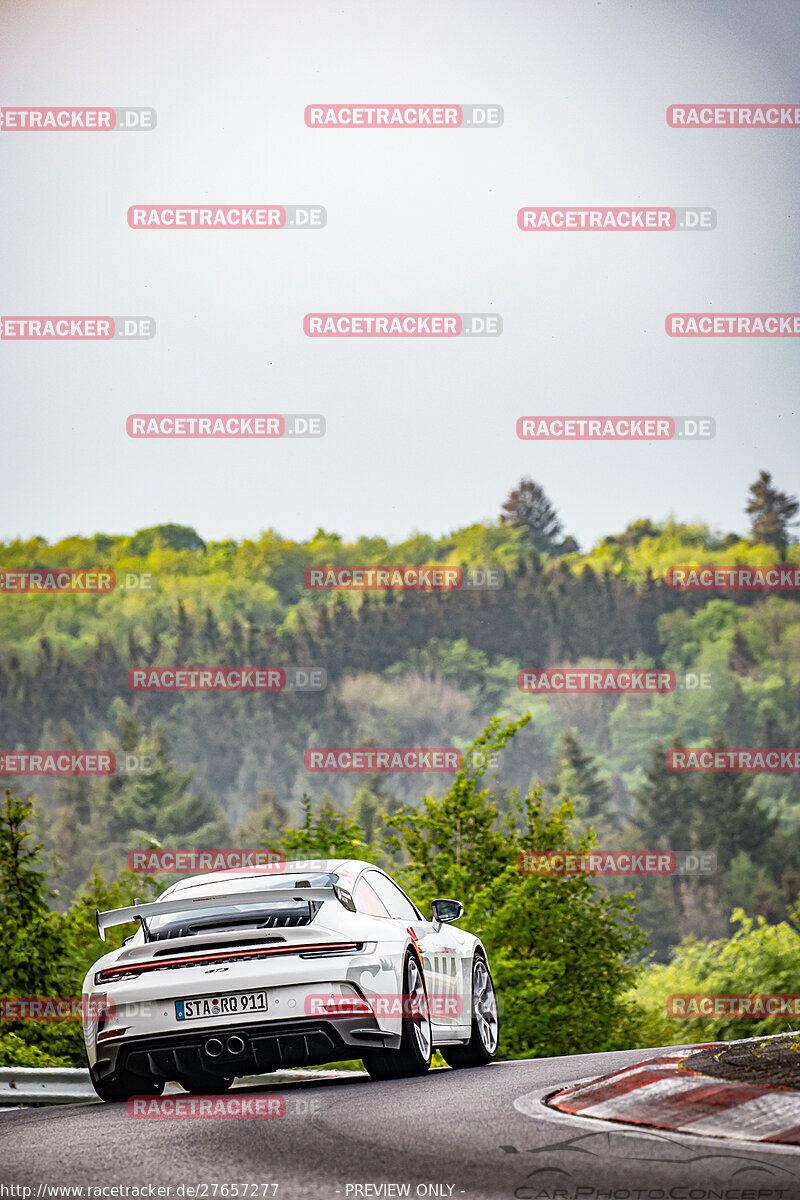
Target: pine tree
{"x":578,"y":780}
{"x":184,"y":636}
{"x":741,"y":658}
{"x":772,"y":513}
{"x":728,"y":817}
{"x":528,"y":507}
{"x":32,"y":937}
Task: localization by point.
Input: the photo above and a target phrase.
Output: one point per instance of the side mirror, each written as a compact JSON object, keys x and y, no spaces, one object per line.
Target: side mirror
{"x":447,"y":910}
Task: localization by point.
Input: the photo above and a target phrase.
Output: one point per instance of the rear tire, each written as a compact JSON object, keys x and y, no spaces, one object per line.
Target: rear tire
{"x":482,"y":1045}
{"x":118,"y":1090}
{"x":416,"y":1042}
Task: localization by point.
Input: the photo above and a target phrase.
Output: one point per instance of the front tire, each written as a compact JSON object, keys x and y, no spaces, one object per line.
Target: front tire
{"x":482,"y":1045}
{"x":125,"y":1085}
{"x":416,"y":1042}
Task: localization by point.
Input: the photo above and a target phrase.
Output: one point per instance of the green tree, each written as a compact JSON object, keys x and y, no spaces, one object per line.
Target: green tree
{"x":266,"y":821}
{"x":758,"y":959}
{"x":453,"y":841}
{"x":99,"y":894}
{"x":45,"y":954}
{"x":174,"y":537}
{"x":129,"y":810}
{"x":559,"y":947}
{"x":34,"y":945}
{"x":578,"y":779}
{"x":728,"y":816}
{"x":329,"y":833}
{"x":711,"y":811}
{"x":528,"y":506}
{"x":772,"y":513}
{"x":32,"y":937}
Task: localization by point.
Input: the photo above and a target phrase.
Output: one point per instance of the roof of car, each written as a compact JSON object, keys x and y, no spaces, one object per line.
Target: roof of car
{"x":343,"y":867}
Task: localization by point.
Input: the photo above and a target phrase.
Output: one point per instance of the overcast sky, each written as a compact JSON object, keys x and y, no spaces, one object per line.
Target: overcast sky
{"x":421,"y":434}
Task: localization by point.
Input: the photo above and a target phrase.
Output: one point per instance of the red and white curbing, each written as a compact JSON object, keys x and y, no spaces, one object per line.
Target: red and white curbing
{"x":658,"y":1093}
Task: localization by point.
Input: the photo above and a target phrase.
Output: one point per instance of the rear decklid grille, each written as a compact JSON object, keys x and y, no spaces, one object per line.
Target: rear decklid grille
{"x":231,"y":939}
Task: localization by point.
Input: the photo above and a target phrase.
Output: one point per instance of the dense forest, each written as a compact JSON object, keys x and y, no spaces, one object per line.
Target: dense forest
{"x":417,"y":668}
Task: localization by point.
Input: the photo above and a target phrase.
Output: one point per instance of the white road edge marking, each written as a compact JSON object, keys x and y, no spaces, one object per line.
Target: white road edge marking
{"x":532,"y":1104}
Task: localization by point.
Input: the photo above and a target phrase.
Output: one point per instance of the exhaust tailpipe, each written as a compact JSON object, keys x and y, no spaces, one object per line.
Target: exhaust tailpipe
{"x":214,"y":1047}
{"x":235,"y":1044}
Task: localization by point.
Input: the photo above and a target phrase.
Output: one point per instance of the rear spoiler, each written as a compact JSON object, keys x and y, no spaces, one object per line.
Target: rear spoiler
{"x":159,"y":908}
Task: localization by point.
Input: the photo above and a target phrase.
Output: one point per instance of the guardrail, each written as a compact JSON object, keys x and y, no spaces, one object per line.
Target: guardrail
{"x":72,"y":1085}
{"x":45,"y":1085}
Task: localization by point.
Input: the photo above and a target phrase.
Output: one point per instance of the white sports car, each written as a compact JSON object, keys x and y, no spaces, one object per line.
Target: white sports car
{"x":248,"y":971}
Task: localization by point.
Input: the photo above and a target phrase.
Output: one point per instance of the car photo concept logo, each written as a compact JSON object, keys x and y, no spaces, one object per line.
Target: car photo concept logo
{"x":630,"y":1162}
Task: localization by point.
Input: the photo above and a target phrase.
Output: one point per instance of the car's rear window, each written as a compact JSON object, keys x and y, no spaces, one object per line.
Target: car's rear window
{"x":250,"y":914}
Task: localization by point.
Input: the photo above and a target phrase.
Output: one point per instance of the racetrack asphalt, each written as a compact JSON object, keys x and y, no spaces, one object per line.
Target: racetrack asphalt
{"x":456,"y":1134}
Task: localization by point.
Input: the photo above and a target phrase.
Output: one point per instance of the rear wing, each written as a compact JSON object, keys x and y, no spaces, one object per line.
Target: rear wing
{"x":160,"y":908}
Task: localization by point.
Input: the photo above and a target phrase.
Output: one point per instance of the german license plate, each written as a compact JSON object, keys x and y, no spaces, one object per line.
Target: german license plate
{"x":235,"y":1004}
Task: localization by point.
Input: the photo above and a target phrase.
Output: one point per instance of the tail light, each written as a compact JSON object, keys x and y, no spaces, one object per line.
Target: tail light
{"x":131,"y":971}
